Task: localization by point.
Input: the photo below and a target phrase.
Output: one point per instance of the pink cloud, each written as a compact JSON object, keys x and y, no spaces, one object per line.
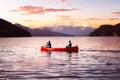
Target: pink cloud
{"x":13,"y":10}
{"x":63,"y":0}
{"x":30,"y":10}
{"x":94,"y":19}
{"x":116,"y":13}
{"x":102,"y":19}
{"x":28,"y":20}
{"x":56,"y":10}
{"x":114,"y":19}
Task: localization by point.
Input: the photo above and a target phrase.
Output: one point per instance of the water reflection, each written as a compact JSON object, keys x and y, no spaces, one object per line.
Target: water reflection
{"x":21,"y":59}
{"x":60,"y":59}
{"x":67,"y":53}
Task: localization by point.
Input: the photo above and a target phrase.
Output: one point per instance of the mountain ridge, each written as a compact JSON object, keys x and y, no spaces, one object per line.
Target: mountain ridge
{"x":42,"y":32}
{"x":7,"y":29}
{"x":107,"y":30}
{"x":59,"y":30}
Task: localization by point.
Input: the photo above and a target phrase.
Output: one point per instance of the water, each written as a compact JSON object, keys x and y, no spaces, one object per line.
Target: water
{"x":98,"y":59}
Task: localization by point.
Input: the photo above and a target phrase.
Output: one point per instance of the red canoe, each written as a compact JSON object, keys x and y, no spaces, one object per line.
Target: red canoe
{"x":74,"y":49}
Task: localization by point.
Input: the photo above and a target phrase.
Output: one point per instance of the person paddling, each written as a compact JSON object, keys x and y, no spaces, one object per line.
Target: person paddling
{"x":69,"y":45}
{"x":49,"y":44}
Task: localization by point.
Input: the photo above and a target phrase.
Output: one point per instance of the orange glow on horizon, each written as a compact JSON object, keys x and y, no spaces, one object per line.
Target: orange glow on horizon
{"x":57,"y":22}
{"x":61,"y":12}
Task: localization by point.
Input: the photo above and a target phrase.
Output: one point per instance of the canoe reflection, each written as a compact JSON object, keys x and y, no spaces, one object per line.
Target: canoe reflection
{"x":69,"y":53}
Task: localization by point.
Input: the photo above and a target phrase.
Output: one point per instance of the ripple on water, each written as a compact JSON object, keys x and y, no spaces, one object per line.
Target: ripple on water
{"x":21,"y":59}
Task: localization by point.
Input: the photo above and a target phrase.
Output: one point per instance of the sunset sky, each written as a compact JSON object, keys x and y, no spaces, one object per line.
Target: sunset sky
{"x":38,"y":13}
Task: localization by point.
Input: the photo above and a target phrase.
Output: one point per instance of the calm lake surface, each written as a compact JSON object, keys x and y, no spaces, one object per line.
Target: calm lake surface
{"x":98,"y":59}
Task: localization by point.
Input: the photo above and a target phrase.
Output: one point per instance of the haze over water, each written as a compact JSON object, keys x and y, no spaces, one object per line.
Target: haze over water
{"x":98,"y":59}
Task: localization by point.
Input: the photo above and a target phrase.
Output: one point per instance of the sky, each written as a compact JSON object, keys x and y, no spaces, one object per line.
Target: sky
{"x":39,"y":13}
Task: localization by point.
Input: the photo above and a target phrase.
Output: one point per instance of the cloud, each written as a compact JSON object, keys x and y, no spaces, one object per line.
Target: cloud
{"x":13,"y":10}
{"x":30,"y":10}
{"x":102,"y":19}
{"x":67,"y":17}
{"x":94,"y":19}
{"x":28,"y":20}
{"x":116,"y":13}
{"x":63,"y":0}
{"x":114,"y":19}
{"x":56,"y":10}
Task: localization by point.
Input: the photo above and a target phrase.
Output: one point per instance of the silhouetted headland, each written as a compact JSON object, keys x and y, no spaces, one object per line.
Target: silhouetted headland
{"x":107,"y":30}
{"x":7,"y":29}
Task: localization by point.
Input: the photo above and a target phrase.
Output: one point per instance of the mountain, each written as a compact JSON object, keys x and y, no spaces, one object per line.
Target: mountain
{"x":73,"y":30}
{"x":117,"y":29}
{"x":59,"y":30}
{"x":42,"y":31}
{"x":107,"y":30}
{"x":7,"y":29}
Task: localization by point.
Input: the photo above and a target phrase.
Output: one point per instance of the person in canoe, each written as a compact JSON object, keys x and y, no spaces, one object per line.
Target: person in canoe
{"x":69,"y":45}
{"x":48,"y":44}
